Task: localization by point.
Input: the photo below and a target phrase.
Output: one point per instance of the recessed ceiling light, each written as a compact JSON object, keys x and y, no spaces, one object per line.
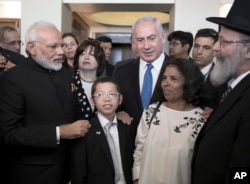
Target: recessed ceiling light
{"x":125,"y":18}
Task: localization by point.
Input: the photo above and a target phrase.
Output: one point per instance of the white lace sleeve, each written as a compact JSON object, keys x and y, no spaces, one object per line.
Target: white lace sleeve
{"x":141,"y":136}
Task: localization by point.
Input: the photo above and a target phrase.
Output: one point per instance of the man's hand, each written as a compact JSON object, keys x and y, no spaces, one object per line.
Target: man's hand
{"x":74,"y":130}
{"x":9,"y":65}
{"x":207,"y":111}
{"x":124,"y":117}
{"x":3,"y":62}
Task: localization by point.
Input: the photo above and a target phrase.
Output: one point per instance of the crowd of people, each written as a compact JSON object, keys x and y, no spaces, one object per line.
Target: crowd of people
{"x":176,"y":117}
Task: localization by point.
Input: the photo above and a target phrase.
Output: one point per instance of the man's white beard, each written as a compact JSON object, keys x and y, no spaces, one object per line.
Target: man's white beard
{"x":223,"y":70}
{"x":48,"y":63}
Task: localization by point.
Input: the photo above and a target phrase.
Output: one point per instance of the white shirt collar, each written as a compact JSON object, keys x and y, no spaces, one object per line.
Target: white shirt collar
{"x":104,"y":120}
{"x":205,"y":70}
{"x":157,"y":64}
{"x":233,"y":82}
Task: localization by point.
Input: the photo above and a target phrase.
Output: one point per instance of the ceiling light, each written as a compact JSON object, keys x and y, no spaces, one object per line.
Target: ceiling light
{"x":126,"y":18}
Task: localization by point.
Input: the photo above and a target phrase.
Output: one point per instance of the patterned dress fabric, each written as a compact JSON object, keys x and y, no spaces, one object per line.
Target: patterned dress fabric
{"x":163,"y":152}
{"x":84,"y":107}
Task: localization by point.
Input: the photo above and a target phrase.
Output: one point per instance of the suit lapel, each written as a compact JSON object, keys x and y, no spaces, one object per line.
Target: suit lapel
{"x":101,"y":139}
{"x":122,"y":140}
{"x":135,"y":85}
{"x":226,"y":105}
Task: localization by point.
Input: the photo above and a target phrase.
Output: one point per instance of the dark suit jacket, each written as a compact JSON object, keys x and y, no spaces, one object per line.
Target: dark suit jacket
{"x":14,"y":57}
{"x":33,"y":102}
{"x":91,"y":158}
{"x":108,"y":69}
{"x":127,"y":76}
{"x":223,"y":143}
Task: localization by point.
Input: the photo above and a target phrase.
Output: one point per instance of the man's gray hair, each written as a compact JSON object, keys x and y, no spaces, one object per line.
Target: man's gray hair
{"x":4,"y":29}
{"x":149,"y":19}
{"x":31,"y":34}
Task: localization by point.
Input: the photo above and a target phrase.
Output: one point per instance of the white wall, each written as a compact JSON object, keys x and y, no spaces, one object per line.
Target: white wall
{"x":48,"y":10}
{"x":186,"y":21}
{"x":10,"y":9}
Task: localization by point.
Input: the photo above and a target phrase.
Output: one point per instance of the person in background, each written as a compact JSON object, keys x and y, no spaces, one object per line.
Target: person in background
{"x":221,"y":151}
{"x":168,"y":129}
{"x":134,"y":51}
{"x":134,"y":46}
{"x":180,"y":44}
{"x":149,"y":38}
{"x":92,"y":160}
{"x":89,"y":62}
{"x":10,"y":45}
{"x":106,"y":44}
{"x":10,"y":39}
{"x":71,"y":43}
{"x":203,"y":56}
{"x":38,"y":112}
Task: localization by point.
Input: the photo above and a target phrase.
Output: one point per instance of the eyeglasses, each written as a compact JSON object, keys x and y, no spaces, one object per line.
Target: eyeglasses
{"x":103,"y":95}
{"x":53,"y":46}
{"x":71,"y":44}
{"x":227,"y":42}
{"x":174,"y":44}
{"x":13,"y":43}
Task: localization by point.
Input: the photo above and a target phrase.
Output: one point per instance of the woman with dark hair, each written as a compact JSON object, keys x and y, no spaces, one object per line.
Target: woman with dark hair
{"x":88,"y":64}
{"x":70,"y":45}
{"x":168,"y":129}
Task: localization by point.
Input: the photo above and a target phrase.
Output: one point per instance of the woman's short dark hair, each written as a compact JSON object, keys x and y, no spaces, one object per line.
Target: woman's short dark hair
{"x":98,"y":54}
{"x":194,"y":89}
{"x":70,"y":34}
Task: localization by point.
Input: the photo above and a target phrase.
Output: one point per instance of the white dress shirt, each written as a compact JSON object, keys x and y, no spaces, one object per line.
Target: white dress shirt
{"x":233,"y":82}
{"x":157,"y":64}
{"x":206,"y":70}
{"x":115,"y":135}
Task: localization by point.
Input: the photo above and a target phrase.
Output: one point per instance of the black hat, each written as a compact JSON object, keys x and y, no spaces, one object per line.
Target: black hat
{"x":238,"y":17}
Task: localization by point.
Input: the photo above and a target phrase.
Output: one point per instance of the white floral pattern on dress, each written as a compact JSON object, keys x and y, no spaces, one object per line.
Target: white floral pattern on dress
{"x":197,"y":123}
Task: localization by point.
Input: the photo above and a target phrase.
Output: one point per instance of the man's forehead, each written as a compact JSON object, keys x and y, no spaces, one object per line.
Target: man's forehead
{"x":11,"y":34}
{"x":204,"y":40}
{"x":145,"y":36}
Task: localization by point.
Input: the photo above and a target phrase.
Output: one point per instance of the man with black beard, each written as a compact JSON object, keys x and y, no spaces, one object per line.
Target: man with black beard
{"x":222,"y":150}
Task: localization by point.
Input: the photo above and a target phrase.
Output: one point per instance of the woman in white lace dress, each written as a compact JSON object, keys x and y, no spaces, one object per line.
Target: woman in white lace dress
{"x":165,"y":140}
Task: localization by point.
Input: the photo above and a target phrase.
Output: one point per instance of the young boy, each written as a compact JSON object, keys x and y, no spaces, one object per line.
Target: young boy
{"x":104,"y":155}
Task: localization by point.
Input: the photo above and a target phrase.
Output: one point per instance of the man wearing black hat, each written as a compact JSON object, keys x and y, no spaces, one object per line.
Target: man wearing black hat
{"x":222,"y":149}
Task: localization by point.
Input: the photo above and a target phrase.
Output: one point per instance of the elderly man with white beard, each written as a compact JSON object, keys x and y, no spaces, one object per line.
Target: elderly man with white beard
{"x":222,"y":150}
{"x":38,"y":112}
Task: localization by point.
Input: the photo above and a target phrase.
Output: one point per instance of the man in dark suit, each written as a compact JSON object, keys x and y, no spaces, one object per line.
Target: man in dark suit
{"x":180,"y":44}
{"x":9,"y":59}
{"x":149,"y":38}
{"x":106,"y":44}
{"x":222,"y":149}
{"x":10,"y":45}
{"x":37,"y":112}
{"x":92,"y":159}
{"x":10,"y":39}
{"x":203,"y":56}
